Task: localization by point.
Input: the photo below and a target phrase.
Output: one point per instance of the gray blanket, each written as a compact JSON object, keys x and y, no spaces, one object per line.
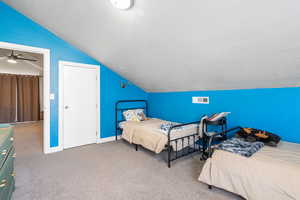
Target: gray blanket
{"x":165,"y":127}
{"x":238,"y":146}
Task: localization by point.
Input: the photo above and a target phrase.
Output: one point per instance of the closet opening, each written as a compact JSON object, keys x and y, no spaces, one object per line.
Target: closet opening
{"x":22,"y":97}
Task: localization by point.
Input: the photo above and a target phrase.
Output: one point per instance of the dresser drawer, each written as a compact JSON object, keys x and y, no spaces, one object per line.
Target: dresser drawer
{"x":7,"y":175}
{"x":11,"y":188}
{"x":6,"y":142}
{"x":8,"y":190}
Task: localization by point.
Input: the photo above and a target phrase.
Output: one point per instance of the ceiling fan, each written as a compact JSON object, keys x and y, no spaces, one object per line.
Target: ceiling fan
{"x":12,"y":58}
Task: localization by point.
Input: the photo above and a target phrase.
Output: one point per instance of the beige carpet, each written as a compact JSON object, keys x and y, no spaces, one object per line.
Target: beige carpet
{"x":110,"y":171}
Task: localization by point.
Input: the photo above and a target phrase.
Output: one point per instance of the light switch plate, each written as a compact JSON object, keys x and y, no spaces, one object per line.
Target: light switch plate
{"x":52,"y":96}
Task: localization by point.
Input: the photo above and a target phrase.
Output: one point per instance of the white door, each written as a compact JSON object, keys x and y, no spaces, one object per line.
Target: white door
{"x":80,"y":94}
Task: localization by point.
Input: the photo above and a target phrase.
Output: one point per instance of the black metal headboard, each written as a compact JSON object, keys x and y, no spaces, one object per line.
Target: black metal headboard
{"x":124,"y":105}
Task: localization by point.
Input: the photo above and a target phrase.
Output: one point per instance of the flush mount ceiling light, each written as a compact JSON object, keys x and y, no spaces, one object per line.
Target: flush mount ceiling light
{"x":10,"y":60}
{"x":122,"y":4}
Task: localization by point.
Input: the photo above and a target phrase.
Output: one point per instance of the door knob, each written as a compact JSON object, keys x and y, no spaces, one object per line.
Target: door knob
{"x":66,"y":107}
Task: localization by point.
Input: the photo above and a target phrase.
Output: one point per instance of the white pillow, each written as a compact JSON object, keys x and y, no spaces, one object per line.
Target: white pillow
{"x":134,"y":115}
{"x":140,"y":114}
{"x":130,"y":115}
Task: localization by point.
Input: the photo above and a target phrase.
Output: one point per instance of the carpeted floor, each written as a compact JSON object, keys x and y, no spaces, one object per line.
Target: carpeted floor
{"x":110,"y":171}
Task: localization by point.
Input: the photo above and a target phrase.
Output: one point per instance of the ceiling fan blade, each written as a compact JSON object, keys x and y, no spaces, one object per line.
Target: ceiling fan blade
{"x":32,"y":60}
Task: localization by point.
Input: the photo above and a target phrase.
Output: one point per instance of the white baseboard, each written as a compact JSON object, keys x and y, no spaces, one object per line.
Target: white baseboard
{"x":53,"y":149}
{"x":108,"y":139}
{"x":99,"y":141}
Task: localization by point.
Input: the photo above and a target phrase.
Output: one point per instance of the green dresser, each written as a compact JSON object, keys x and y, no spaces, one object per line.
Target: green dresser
{"x":7,"y":156}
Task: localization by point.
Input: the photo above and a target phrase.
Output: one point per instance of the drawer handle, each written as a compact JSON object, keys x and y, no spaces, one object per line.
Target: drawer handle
{"x":3,"y":183}
{"x":12,"y":139}
{"x":13,"y":174}
{"x":4,"y":152}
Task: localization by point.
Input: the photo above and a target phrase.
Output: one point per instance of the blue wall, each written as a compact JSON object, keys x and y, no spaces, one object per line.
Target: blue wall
{"x":16,"y":28}
{"x":276,"y":110}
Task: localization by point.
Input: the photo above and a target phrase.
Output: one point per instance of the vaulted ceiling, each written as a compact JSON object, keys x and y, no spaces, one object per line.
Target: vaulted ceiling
{"x":177,"y":45}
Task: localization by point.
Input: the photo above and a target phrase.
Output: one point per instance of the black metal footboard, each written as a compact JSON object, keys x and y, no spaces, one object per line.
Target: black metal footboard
{"x":188,"y":144}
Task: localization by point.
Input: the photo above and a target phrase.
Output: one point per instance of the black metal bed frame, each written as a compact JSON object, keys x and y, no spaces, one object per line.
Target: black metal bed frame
{"x":185,"y":150}
{"x":118,"y":110}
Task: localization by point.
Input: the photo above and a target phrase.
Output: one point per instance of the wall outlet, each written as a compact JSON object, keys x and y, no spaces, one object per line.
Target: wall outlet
{"x":201,"y":100}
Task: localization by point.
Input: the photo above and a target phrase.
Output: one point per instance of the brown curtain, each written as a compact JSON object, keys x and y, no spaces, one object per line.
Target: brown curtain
{"x":8,"y":89}
{"x":28,"y":108}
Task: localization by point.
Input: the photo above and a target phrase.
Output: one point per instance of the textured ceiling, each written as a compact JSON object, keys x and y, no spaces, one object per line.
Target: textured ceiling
{"x":176,"y":45}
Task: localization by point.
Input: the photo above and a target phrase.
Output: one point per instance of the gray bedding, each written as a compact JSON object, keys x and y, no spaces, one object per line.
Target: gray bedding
{"x":238,"y":146}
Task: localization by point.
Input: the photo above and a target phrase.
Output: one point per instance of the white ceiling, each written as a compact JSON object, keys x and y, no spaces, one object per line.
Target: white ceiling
{"x":176,"y":45}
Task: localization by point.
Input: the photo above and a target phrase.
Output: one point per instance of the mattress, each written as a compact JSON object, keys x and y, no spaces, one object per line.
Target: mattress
{"x":148,"y":134}
{"x":271,"y":173}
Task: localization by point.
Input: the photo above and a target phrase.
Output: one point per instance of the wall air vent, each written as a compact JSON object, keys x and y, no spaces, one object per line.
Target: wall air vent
{"x":201,"y":100}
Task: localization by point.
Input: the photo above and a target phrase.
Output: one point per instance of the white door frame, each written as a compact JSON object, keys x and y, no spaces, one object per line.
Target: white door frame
{"x":62,"y":64}
{"x":46,"y":73}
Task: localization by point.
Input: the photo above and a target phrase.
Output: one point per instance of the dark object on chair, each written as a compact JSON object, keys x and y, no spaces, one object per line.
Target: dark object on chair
{"x":254,"y":135}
